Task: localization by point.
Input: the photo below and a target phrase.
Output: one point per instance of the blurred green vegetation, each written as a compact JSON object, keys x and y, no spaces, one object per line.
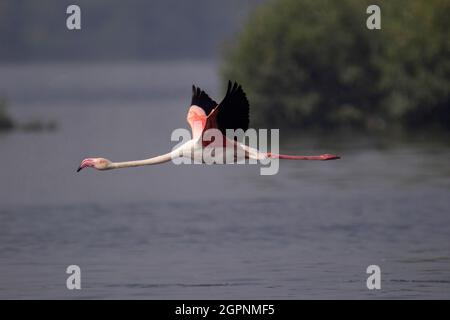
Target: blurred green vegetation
{"x":315,"y":64}
{"x":6,"y":123}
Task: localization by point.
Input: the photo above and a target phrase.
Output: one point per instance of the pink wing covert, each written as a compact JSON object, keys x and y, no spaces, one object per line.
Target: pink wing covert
{"x":196,"y":118}
{"x":201,"y":107}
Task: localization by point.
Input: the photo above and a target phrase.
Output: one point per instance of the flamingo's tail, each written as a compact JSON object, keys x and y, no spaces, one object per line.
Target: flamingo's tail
{"x":322,"y":157}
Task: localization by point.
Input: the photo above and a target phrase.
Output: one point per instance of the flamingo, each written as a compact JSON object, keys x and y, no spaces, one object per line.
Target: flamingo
{"x":204,"y":114}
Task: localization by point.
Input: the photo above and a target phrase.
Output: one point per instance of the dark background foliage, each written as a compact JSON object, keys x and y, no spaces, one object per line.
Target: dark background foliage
{"x":314,"y":63}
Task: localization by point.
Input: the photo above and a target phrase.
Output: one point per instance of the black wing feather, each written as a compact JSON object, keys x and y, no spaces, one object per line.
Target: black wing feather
{"x":233,"y":112}
{"x":201,"y":99}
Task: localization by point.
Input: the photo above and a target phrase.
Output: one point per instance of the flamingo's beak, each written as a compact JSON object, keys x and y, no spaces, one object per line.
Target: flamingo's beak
{"x":89,"y":162}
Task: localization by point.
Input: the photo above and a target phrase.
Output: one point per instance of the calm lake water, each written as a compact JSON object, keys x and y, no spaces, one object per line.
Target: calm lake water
{"x":194,"y":231}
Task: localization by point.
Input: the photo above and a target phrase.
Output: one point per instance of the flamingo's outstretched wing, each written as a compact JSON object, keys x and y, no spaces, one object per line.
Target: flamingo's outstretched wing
{"x":232,"y":112}
{"x":201,"y":107}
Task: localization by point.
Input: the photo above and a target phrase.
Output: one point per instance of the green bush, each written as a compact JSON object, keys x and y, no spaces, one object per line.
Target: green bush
{"x":6,"y":122}
{"x":315,"y":63}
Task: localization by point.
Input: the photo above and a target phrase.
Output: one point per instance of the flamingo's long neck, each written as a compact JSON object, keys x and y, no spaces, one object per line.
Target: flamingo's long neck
{"x":285,"y":156}
{"x":155,"y":160}
{"x":137,"y":163}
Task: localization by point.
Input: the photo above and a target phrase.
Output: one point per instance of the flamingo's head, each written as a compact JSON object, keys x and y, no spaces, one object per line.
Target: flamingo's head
{"x":96,"y":163}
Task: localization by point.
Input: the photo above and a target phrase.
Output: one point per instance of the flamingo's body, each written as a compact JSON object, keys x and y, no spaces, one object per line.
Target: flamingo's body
{"x":205,"y":114}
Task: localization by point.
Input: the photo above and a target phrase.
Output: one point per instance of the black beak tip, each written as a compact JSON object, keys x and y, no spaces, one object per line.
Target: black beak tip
{"x":79,"y":169}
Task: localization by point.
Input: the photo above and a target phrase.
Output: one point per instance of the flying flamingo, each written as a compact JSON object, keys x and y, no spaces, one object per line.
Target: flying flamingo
{"x":204,"y":114}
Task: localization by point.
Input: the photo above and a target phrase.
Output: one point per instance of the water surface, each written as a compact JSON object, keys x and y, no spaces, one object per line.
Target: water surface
{"x":197,"y":231}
